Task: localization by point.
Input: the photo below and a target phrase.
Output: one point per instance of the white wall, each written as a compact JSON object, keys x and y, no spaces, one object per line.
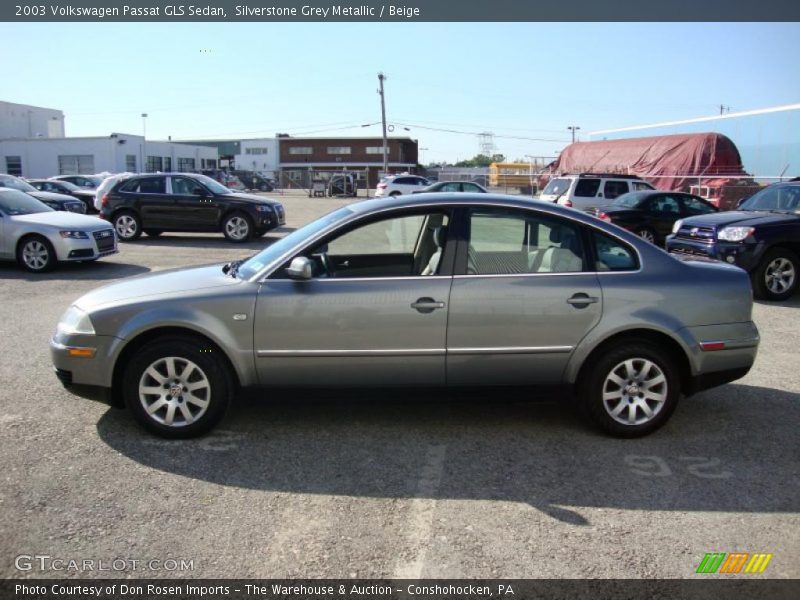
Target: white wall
{"x":266,"y":164}
{"x":23,"y":121}
{"x":40,"y":155}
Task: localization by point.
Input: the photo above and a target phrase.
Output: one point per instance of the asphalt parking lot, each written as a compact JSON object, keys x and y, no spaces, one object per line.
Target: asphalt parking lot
{"x":385,"y":485}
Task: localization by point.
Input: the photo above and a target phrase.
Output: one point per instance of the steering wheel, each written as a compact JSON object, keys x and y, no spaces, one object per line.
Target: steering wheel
{"x":327,"y":264}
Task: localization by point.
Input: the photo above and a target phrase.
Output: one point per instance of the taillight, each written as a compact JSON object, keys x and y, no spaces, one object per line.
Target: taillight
{"x":104,"y":201}
{"x":603,"y":216}
{"x":381,"y":186}
{"x":568,"y":203}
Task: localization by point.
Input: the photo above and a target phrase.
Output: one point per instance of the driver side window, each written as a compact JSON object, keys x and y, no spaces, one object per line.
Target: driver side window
{"x":403,"y":246}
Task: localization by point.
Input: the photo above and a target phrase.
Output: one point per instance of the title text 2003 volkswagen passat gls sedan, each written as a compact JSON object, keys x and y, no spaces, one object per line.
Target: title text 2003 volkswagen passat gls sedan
{"x":430,"y":290}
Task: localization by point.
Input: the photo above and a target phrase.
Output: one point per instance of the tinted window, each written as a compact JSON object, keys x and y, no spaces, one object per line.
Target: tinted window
{"x":629,"y":200}
{"x":612,"y":255}
{"x":508,"y":242}
{"x":146,"y":185}
{"x":587,"y":187}
{"x":665,"y":205}
{"x":696,"y":206}
{"x":786,"y":197}
{"x":612,"y":189}
{"x":185,"y":186}
{"x":404,"y":181}
{"x":450,"y":187}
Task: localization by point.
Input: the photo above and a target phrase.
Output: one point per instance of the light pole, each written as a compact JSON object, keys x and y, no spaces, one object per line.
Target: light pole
{"x":381,"y":79}
{"x":421,"y":159}
{"x":144,"y":142}
{"x":573,"y":129}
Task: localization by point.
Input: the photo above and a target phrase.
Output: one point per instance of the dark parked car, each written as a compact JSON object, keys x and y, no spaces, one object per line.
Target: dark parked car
{"x":762,"y":237}
{"x":454,"y":186}
{"x":84,"y":181}
{"x":436,"y":290}
{"x":651,"y":214}
{"x":255,"y":181}
{"x":58,"y":186}
{"x":53,"y":200}
{"x":187,"y":202}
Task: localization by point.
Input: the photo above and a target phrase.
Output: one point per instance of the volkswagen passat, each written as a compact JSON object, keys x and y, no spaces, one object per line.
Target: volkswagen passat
{"x":429,"y":290}
{"x":38,"y":237}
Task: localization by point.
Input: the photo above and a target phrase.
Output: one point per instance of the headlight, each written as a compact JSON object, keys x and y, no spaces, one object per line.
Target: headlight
{"x":266,"y":208}
{"x":677,"y":225}
{"x":75,"y":321}
{"x":734,"y":234}
{"x":74,"y":235}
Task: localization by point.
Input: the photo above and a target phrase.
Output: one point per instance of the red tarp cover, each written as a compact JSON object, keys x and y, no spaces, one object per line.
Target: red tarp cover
{"x":652,"y":158}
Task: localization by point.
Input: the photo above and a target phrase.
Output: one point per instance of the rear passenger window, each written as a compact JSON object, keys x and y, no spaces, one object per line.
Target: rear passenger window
{"x":612,"y":255}
{"x":612,"y":189}
{"x":587,"y":187}
{"x":147,"y":185}
{"x":505,"y":242}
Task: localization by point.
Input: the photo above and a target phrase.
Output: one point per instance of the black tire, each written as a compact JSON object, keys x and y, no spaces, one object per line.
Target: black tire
{"x":395,"y":194}
{"x":776,"y":277}
{"x":233,"y":224}
{"x":263,"y":187}
{"x":596,"y":380}
{"x":90,"y":209}
{"x":647,"y":235}
{"x":153,"y":232}
{"x":128,"y":226}
{"x":36,"y":254}
{"x":209,"y":367}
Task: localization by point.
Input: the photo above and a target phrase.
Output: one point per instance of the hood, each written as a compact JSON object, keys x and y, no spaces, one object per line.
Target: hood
{"x":745,"y":218}
{"x":85,"y":192}
{"x":64,"y":220}
{"x":157,"y":284}
{"x":51,"y":196}
{"x":252,"y":198}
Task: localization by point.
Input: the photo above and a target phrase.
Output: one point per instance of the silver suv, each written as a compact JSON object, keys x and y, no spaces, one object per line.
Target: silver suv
{"x":590,"y":190}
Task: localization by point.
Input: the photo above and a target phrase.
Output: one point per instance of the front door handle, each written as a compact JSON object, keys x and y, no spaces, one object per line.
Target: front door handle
{"x":581,"y":300}
{"x":426,"y":305}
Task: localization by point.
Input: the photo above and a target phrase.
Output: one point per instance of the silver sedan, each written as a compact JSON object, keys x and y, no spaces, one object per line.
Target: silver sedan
{"x":430,"y":290}
{"x":38,"y":237}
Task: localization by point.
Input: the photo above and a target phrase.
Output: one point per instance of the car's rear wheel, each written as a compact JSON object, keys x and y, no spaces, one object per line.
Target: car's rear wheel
{"x":777,"y":276}
{"x":177,"y":387}
{"x":647,"y":234}
{"x":631,"y":389}
{"x":237,"y":227}
{"x":36,"y":254}
{"x":128,"y":226}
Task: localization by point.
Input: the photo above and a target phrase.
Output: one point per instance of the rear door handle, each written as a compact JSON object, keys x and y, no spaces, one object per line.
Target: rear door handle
{"x":582,"y":300}
{"x":426,"y":305}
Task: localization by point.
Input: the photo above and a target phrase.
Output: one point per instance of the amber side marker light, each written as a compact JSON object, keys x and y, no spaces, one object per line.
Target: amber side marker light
{"x":81,"y":352}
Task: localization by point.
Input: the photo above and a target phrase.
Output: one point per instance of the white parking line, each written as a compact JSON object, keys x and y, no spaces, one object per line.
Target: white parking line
{"x":420,"y":517}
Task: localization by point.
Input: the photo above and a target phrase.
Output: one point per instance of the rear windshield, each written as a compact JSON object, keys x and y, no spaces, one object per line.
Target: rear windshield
{"x":557,"y":186}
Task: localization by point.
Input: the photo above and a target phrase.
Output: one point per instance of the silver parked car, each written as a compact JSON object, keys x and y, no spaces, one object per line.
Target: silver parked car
{"x":426,"y":290}
{"x":38,"y":237}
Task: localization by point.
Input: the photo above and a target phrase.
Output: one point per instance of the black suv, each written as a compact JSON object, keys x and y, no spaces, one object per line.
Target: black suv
{"x":762,"y":236}
{"x":187,"y":202}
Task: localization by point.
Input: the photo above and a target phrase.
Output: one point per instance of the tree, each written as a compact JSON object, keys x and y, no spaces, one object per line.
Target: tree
{"x":481,"y":160}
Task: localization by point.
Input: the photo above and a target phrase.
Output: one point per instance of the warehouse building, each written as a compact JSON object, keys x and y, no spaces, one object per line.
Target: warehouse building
{"x":25,"y":121}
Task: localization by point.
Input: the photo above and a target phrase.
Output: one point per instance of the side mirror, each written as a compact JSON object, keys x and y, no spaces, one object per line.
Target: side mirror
{"x":300,"y":269}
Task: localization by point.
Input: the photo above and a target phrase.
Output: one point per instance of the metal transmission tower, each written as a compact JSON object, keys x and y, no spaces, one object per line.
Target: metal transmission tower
{"x":486,"y":143}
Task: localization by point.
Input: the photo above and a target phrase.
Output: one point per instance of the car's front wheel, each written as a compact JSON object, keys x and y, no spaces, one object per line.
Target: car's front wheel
{"x":237,"y":227}
{"x":36,"y":254}
{"x":177,"y":387}
{"x":128,"y":226}
{"x":777,"y":276}
{"x":631,"y":389}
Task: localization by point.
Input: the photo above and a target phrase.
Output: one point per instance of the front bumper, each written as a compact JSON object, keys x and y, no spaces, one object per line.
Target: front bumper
{"x":83,"y":375}
{"x":91,"y":248}
{"x":746,"y":255}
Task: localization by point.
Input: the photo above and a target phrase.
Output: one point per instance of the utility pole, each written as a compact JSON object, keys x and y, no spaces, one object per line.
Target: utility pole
{"x":723,"y":109}
{"x":381,"y":79}
{"x":144,"y":142}
{"x":573,"y":129}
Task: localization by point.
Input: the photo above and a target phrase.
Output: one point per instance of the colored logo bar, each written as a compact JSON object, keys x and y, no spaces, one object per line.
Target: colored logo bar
{"x":734,"y":562}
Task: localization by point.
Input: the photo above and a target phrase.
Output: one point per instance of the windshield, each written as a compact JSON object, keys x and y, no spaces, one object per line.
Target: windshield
{"x":9,"y":181}
{"x":14,"y":203}
{"x":630,"y":200}
{"x":775,"y":197}
{"x":67,"y":185}
{"x":212,"y":185}
{"x":557,"y":186}
{"x":271,"y":253}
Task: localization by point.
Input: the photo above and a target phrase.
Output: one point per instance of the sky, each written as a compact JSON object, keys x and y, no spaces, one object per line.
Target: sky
{"x":524,"y":82}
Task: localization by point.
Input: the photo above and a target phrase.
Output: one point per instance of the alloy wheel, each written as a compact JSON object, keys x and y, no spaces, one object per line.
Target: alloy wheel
{"x":237,"y":228}
{"x":779,"y":275}
{"x":126,"y":226}
{"x":647,"y":236}
{"x":174,"y":391}
{"x":635,"y":391}
{"x":36,"y":255}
